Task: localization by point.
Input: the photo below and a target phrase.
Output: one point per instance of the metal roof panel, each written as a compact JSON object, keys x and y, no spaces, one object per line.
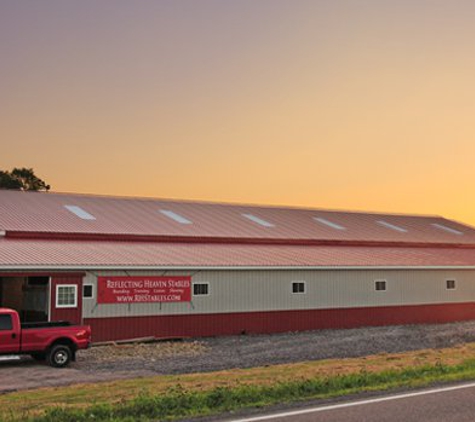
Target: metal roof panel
{"x":74,"y":254}
{"x":44,"y":212}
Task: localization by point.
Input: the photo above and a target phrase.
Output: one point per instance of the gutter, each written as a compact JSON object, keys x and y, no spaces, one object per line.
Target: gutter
{"x":83,"y":268}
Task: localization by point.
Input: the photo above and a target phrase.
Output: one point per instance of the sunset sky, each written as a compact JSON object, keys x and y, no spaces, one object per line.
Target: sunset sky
{"x":356,"y":104}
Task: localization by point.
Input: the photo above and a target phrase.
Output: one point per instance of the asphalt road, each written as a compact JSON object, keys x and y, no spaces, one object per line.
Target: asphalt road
{"x":444,"y":404}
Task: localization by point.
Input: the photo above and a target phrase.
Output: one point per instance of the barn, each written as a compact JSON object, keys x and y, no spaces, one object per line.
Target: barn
{"x":140,"y":267}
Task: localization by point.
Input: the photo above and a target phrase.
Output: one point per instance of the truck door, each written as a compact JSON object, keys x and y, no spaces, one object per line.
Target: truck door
{"x":9,"y":335}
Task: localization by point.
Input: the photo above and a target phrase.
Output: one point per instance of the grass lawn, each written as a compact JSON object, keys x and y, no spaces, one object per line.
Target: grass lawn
{"x":207,"y":393}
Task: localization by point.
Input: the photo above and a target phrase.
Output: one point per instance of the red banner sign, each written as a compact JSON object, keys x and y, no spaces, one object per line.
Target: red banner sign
{"x":143,"y":289}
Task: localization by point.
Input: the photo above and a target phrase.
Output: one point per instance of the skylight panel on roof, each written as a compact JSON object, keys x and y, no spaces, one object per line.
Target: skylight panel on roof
{"x":258,"y":220}
{"x":79,"y":212}
{"x":329,"y":223}
{"x":447,"y":229}
{"x":391,"y":226}
{"x":176,"y":217}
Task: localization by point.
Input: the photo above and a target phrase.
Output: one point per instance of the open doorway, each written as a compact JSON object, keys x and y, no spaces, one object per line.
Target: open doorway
{"x":29,"y":296}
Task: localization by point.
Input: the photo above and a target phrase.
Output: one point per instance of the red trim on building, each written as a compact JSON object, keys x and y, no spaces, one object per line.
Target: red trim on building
{"x":207,"y":325}
{"x":41,"y":274}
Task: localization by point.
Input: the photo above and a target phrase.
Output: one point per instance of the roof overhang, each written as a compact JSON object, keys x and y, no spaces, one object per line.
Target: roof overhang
{"x":225,"y":268}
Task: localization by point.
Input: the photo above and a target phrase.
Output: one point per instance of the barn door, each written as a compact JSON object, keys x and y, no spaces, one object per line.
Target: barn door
{"x":66,"y":299}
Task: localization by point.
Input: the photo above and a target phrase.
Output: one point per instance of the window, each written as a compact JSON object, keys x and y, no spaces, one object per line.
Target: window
{"x":79,"y":212}
{"x":329,"y":223}
{"x":447,"y":229}
{"x":298,"y":287}
{"x":201,"y":289}
{"x":87,"y":291}
{"x":258,"y":220}
{"x":391,"y":226}
{"x":380,"y":285}
{"x":66,"y":296}
{"x":450,"y":284}
{"x":176,"y":217}
{"x":6,"y":323}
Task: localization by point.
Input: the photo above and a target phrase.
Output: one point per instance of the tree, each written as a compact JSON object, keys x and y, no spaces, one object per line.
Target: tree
{"x":22,"y":179}
{"x":7,"y":182}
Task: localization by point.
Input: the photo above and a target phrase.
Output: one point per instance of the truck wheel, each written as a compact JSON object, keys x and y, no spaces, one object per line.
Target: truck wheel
{"x":59,"y":356}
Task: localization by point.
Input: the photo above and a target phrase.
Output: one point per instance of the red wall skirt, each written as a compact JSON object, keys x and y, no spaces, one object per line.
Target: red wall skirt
{"x":208,"y":325}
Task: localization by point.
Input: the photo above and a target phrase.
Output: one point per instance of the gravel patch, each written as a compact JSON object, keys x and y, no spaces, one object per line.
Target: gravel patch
{"x":246,"y":351}
{"x":142,"y":352}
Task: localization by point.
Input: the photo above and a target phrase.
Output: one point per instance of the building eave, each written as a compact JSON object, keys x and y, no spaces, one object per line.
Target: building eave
{"x":84,"y":268}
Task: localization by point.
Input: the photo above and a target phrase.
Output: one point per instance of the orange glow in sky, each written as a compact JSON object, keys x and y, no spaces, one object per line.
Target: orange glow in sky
{"x":362,"y":105}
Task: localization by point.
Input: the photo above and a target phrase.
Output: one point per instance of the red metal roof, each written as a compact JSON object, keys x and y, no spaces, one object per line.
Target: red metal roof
{"x":31,"y":213}
{"x":40,"y":232}
{"x":23,"y":254}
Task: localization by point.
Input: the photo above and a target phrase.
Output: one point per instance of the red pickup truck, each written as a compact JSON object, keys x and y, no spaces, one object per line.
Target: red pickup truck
{"x":55,"y":342}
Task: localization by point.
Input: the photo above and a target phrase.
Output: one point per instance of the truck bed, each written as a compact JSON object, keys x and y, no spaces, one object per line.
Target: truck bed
{"x":32,"y":325}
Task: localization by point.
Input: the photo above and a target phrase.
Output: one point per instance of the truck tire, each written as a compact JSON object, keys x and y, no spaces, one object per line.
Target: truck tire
{"x":59,"y":356}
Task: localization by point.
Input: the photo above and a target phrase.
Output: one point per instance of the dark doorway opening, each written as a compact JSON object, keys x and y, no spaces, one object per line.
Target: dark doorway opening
{"x":29,"y":296}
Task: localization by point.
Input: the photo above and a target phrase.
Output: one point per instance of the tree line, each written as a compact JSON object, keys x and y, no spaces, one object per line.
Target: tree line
{"x":22,"y":179}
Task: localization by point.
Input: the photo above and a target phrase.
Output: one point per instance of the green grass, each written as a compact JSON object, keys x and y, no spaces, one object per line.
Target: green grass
{"x":178,"y":402}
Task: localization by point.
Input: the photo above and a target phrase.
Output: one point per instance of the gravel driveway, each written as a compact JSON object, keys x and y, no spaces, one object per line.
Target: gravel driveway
{"x":210,"y":354}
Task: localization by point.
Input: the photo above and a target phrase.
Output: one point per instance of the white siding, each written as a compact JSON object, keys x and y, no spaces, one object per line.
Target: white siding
{"x":245,"y":291}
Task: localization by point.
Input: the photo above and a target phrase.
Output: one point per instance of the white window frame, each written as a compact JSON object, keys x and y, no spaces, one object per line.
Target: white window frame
{"x":75,"y":295}
{"x":385,"y":285}
{"x":86,"y":297}
{"x":451,"y":279}
{"x":300,"y":282}
{"x":200,"y":282}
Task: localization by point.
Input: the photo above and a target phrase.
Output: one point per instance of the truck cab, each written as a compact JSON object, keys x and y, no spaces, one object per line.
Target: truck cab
{"x":9,"y":331}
